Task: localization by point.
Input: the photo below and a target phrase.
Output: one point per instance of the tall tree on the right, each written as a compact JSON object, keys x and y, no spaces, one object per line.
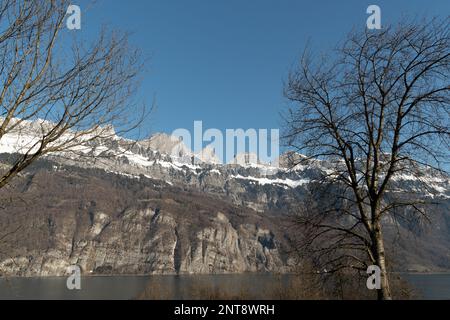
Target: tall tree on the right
{"x":377,"y":109}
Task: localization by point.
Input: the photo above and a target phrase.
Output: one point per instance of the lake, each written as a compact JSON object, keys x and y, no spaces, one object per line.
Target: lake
{"x":430,"y":286}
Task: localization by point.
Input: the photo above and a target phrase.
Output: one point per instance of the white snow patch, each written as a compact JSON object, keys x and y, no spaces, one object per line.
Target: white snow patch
{"x":263,"y":181}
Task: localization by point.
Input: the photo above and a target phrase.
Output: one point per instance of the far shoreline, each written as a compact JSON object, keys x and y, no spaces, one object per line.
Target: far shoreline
{"x":87,"y":275}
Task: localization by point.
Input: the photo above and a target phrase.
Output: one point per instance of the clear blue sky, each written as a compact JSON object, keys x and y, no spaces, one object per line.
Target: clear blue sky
{"x":224,"y":61}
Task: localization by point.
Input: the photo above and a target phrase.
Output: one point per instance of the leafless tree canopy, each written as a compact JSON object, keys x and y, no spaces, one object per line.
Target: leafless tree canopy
{"x":378,"y":108}
{"x":72,"y":92}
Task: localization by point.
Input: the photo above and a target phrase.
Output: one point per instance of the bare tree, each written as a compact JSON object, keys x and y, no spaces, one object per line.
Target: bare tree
{"x":58,"y":94}
{"x":377,"y":109}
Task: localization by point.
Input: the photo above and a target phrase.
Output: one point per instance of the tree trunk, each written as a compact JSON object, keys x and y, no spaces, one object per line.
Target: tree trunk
{"x":384,"y":293}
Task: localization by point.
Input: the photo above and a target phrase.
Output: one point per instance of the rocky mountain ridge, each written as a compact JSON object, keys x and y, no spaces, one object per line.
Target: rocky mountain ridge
{"x":153,"y":206}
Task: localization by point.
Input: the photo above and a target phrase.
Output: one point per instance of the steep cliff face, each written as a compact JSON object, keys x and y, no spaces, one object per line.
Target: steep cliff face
{"x":108,"y":228}
{"x":222,"y":248}
{"x":156,"y":207}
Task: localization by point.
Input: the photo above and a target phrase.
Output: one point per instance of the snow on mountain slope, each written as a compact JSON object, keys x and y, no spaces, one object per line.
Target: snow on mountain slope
{"x":162,"y":168}
{"x":167,"y":158}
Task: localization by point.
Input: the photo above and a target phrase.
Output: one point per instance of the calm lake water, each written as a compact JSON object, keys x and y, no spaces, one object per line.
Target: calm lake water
{"x":430,"y":286}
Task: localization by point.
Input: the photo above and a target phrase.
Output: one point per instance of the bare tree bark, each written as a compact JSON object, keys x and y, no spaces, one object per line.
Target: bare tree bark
{"x":380,"y":260}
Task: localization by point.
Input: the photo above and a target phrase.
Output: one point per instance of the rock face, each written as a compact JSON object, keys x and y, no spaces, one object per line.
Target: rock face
{"x":222,"y":248}
{"x":132,"y":227}
{"x":154,"y":207}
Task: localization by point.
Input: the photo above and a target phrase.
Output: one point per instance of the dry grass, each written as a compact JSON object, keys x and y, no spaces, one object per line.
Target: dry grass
{"x":295,"y":287}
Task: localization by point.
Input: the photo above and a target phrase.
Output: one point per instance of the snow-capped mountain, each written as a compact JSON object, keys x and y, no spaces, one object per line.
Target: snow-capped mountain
{"x":114,"y":205}
{"x":167,"y":158}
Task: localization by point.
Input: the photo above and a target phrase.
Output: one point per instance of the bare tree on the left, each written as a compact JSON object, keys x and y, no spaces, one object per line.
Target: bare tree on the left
{"x":68,"y":93}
